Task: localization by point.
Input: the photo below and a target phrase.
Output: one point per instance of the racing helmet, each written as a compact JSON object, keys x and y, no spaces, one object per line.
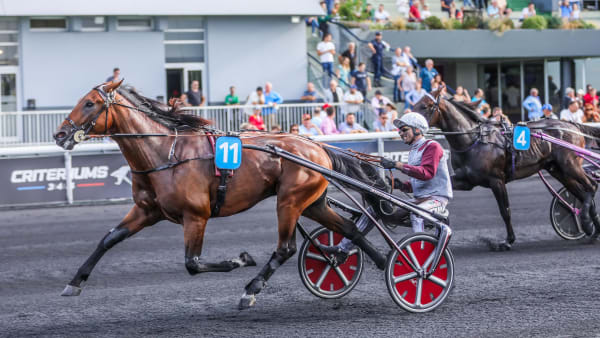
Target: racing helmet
{"x":414,"y":120}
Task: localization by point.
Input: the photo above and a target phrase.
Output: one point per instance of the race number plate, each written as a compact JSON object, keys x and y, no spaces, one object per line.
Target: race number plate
{"x":228,"y":152}
{"x":521,"y":138}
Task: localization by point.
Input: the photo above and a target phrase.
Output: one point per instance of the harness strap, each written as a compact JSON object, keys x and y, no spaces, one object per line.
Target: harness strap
{"x":221,"y":192}
{"x":171,"y":165}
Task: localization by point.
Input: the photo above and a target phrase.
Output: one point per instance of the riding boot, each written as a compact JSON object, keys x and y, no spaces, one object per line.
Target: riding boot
{"x":587,"y":223}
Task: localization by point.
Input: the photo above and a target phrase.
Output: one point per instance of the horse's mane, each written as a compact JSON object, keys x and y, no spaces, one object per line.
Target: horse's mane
{"x":169,"y":116}
{"x":468,"y":110}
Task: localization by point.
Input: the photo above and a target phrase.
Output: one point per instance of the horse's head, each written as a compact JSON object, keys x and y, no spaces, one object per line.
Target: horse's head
{"x":91,"y":116}
{"x":429,"y":106}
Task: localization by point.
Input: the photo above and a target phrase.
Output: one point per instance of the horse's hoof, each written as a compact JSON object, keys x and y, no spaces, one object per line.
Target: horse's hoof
{"x":588,"y":228}
{"x":247,"y":259}
{"x":247,"y":301}
{"x":497,"y":247}
{"x":71,"y":290}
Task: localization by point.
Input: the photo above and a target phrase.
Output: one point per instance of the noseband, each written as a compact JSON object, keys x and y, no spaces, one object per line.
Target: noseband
{"x":78,"y":133}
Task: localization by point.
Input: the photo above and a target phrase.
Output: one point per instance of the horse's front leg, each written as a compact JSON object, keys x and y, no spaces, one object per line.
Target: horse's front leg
{"x":136,"y":219}
{"x":194,"y":226}
{"x":499,"y":189}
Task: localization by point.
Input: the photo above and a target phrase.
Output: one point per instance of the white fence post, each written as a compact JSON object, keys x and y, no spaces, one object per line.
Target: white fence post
{"x":68,"y":176}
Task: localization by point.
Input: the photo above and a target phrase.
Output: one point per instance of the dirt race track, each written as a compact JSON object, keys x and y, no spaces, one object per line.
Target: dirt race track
{"x":544,"y":287}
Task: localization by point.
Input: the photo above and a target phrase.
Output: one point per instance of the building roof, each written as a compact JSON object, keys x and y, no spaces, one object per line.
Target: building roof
{"x":159,"y":7}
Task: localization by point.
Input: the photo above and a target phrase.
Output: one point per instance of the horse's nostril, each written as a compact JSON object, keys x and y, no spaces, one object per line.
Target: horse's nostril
{"x":60,"y":135}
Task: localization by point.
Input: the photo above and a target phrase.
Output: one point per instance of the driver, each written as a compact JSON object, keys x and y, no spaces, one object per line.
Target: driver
{"x":429,"y":179}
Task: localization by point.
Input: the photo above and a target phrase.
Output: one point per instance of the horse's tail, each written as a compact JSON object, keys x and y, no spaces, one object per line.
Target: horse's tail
{"x":357,"y":169}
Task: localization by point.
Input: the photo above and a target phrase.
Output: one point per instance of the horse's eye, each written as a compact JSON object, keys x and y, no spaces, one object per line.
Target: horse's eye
{"x":89,"y":104}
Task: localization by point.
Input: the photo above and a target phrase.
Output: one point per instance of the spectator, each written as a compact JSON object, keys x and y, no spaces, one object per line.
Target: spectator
{"x":403,"y":8}
{"x":308,"y":128}
{"x":377,"y":47}
{"x":343,"y":72}
{"x":334,"y":94}
{"x":590,"y":114}
{"x":425,"y":13}
{"x":447,"y":6}
{"x":352,"y":99}
{"x":328,"y":123}
{"x":350,"y":53}
{"x":255,"y":98}
{"x":408,"y":82}
{"x":427,"y":75}
{"x":528,"y":11}
{"x":575,"y":13}
{"x":323,"y":20}
{"x":479,"y":96}
{"x":378,"y":102}
{"x":399,"y":64}
{"x":350,"y":126}
{"x":486,"y":111}
{"x":468,"y":4}
{"x":579,"y":97}
{"x":436,"y":82}
{"x":310,"y":94}
{"x":533,"y":105}
{"x":573,"y":113}
{"x":194,"y":95}
{"x":115,"y":76}
{"x":256,"y":120}
{"x":565,"y":10}
{"x":413,"y":14}
{"x":381,"y":15}
{"x":414,"y":96}
{"x":368,"y":13}
{"x":313,"y":22}
{"x":409,"y":58}
{"x":247,"y":126}
{"x":231,"y":98}
{"x":498,"y":116}
{"x":361,"y":79}
{"x":591,"y":97}
{"x":295,"y":129}
{"x":272,"y":100}
{"x":548,"y":114}
{"x":391,"y":112}
{"x":275,"y":129}
{"x":183,"y":101}
{"x":383,"y":123}
{"x":493,"y":11}
{"x":569,"y":96}
{"x":318,"y":115}
{"x":326,"y":51}
{"x":461,"y":95}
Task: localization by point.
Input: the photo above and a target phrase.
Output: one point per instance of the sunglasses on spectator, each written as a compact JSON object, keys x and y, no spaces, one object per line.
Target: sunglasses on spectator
{"x":294,"y":129}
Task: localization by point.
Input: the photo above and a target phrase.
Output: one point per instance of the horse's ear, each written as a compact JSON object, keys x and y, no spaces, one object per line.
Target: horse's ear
{"x":473,"y":105}
{"x":112,"y":86}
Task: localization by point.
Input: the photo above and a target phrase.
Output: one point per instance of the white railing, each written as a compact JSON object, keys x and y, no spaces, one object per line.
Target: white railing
{"x":32,"y":128}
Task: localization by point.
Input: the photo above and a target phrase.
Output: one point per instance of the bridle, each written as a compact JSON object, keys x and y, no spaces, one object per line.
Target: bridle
{"x":79,"y":133}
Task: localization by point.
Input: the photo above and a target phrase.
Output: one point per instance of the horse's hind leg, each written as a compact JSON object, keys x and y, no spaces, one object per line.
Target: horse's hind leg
{"x":136,"y":220}
{"x":320,"y":212}
{"x":194,"y":226}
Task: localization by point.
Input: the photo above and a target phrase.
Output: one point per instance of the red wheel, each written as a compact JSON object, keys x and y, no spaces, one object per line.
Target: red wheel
{"x":322,"y":278}
{"x":410,"y":290}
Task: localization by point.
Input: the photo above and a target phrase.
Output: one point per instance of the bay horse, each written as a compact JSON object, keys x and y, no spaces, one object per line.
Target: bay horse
{"x":173,"y":178}
{"x":491,"y":162}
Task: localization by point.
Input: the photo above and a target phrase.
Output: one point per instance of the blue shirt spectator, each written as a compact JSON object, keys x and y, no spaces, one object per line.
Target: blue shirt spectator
{"x":272,"y":99}
{"x":533,"y":105}
{"x":427,"y":74}
{"x":565,"y":10}
{"x":310,"y":94}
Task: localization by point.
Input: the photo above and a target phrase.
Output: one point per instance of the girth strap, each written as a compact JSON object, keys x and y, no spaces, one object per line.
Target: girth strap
{"x":221,"y":192}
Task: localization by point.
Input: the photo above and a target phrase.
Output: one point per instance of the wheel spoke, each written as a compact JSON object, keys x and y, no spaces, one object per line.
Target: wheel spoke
{"x":438,"y":281}
{"x":340,"y":273}
{"x":352,"y":252}
{"x":428,"y":261}
{"x":419,"y":291}
{"x":323,"y":275}
{"x":331,"y":243}
{"x":412,"y":256}
{"x":316,"y":257}
{"x":405,"y":277}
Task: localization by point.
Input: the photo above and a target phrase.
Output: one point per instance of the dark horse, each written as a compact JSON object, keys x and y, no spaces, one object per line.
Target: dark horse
{"x":174,"y":179}
{"x":481,"y":156}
